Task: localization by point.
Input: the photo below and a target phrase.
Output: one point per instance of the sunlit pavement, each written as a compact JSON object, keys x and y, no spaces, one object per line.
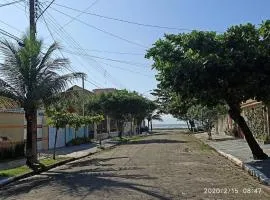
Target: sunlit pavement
{"x":163,"y":166}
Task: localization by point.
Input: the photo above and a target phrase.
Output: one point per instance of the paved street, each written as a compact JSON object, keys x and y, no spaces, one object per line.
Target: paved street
{"x":164,"y":166}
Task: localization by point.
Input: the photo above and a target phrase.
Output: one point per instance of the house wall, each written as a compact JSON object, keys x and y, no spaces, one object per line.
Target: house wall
{"x":11,"y":125}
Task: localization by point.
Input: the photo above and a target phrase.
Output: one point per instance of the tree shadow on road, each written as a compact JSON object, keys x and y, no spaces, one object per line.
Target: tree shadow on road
{"x":156,"y":141}
{"x":263,"y":166}
{"x":94,"y":161}
{"x":83,"y":182}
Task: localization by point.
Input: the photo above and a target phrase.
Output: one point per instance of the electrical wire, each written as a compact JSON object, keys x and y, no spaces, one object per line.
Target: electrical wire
{"x":3,"y":32}
{"x":102,"y":30}
{"x":10,"y":3}
{"x":76,"y":45}
{"x":109,"y":59}
{"x":127,"y":21}
{"x":72,"y":70}
{"x":70,"y":21}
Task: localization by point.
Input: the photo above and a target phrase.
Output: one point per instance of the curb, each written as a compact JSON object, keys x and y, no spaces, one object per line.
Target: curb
{"x":262,"y":178}
{"x":16,"y":178}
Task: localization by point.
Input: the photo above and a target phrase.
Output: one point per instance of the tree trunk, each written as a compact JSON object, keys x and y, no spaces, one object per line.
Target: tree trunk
{"x":188,"y":126}
{"x":151,"y":125}
{"x":120,"y":128}
{"x":31,"y":140}
{"x":148,"y":123}
{"x":132,"y":119}
{"x":256,"y":150}
{"x":55,"y":140}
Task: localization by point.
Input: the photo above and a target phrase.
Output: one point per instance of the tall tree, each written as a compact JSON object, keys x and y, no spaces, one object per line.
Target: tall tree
{"x":212,"y":68}
{"x":121,"y":106}
{"x":29,"y":77}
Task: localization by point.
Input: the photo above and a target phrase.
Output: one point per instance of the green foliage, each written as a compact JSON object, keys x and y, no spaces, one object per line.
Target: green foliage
{"x":28,"y":74}
{"x":207,"y":115}
{"x":121,"y":106}
{"x":78,"y":141}
{"x":58,"y":119}
{"x":29,"y":77}
{"x":211,"y":69}
{"x":215,"y":68}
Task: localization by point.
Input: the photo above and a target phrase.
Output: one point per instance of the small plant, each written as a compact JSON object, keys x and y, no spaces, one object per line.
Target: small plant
{"x":78,"y":141}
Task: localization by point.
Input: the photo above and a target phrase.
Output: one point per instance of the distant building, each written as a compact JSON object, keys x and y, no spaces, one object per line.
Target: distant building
{"x":103,"y":90}
{"x":78,"y":88}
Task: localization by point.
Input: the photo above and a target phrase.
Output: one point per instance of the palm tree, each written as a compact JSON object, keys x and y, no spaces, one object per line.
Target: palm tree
{"x":29,"y":77}
{"x":153,"y":116}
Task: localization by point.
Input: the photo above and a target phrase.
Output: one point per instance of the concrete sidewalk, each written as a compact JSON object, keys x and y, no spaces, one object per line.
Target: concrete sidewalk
{"x":69,"y":152}
{"x":238,"y":151}
{"x":72,"y":152}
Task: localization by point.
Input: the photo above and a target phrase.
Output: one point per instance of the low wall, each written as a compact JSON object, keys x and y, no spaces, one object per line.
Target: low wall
{"x":12,"y":125}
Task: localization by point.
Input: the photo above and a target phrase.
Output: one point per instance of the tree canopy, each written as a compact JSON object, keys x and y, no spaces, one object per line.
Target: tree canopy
{"x":210,"y":69}
{"x":121,"y":105}
{"x":29,"y":77}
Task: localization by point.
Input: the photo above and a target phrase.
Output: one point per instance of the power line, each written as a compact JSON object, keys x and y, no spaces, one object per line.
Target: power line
{"x":122,"y":20}
{"x":61,"y":51}
{"x":126,"y":21}
{"x":109,"y":59}
{"x":10,"y":3}
{"x":102,"y":30}
{"x":70,"y":21}
{"x":76,"y":45}
{"x":124,"y":69}
{"x":3,"y":32}
{"x":45,"y":10}
{"x":114,"y":52}
{"x":13,"y":27}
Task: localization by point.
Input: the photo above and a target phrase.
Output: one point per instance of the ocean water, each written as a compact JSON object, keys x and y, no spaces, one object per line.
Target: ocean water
{"x":169,"y":126}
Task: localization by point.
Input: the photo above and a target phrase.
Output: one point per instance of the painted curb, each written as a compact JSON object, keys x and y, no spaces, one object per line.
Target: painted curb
{"x":262,"y":178}
{"x":16,"y":178}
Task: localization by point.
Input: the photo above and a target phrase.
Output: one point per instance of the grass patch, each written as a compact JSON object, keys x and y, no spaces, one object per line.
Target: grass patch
{"x":15,"y":171}
{"x":50,"y":161}
{"x":204,"y":147}
{"x":24,"y":169}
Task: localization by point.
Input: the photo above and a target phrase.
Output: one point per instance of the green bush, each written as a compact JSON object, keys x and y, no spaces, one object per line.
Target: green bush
{"x":11,"y":150}
{"x":78,"y":141}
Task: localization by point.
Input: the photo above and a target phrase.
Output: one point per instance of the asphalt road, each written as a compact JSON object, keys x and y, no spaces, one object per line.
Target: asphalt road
{"x":168,"y":165}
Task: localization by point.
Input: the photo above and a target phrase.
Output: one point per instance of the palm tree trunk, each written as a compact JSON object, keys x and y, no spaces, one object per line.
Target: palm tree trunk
{"x":148,"y":123}
{"x":31,"y":140}
{"x":55,"y":140}
{"x":256,"y":150}
{"x":151,"y":125}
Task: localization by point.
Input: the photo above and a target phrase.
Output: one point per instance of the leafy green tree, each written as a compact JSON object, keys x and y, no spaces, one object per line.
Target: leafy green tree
{"x":29,"y":77}
{"x":206,"y":115}
{"x":172,"y":103}
{"x":76,"y":121}
{"x":121,"y":106}
{"x":152,"y":116}
{"x":213,"y":69}
{"x":58,"y":120}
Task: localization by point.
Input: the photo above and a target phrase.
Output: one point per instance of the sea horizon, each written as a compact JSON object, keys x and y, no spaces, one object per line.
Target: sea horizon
{"x":170,"y":126}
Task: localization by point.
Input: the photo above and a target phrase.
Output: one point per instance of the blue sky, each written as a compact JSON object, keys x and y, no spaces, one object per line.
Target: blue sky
{"x":137,"y":75}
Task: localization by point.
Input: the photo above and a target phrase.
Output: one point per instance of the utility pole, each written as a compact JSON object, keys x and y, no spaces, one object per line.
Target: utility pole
{"x":32,"y":18}
{"x":83,"y":112}
{"x":83,"y":94}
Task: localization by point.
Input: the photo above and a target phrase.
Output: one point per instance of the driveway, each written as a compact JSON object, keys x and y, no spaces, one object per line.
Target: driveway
{"x":169,"y":165}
